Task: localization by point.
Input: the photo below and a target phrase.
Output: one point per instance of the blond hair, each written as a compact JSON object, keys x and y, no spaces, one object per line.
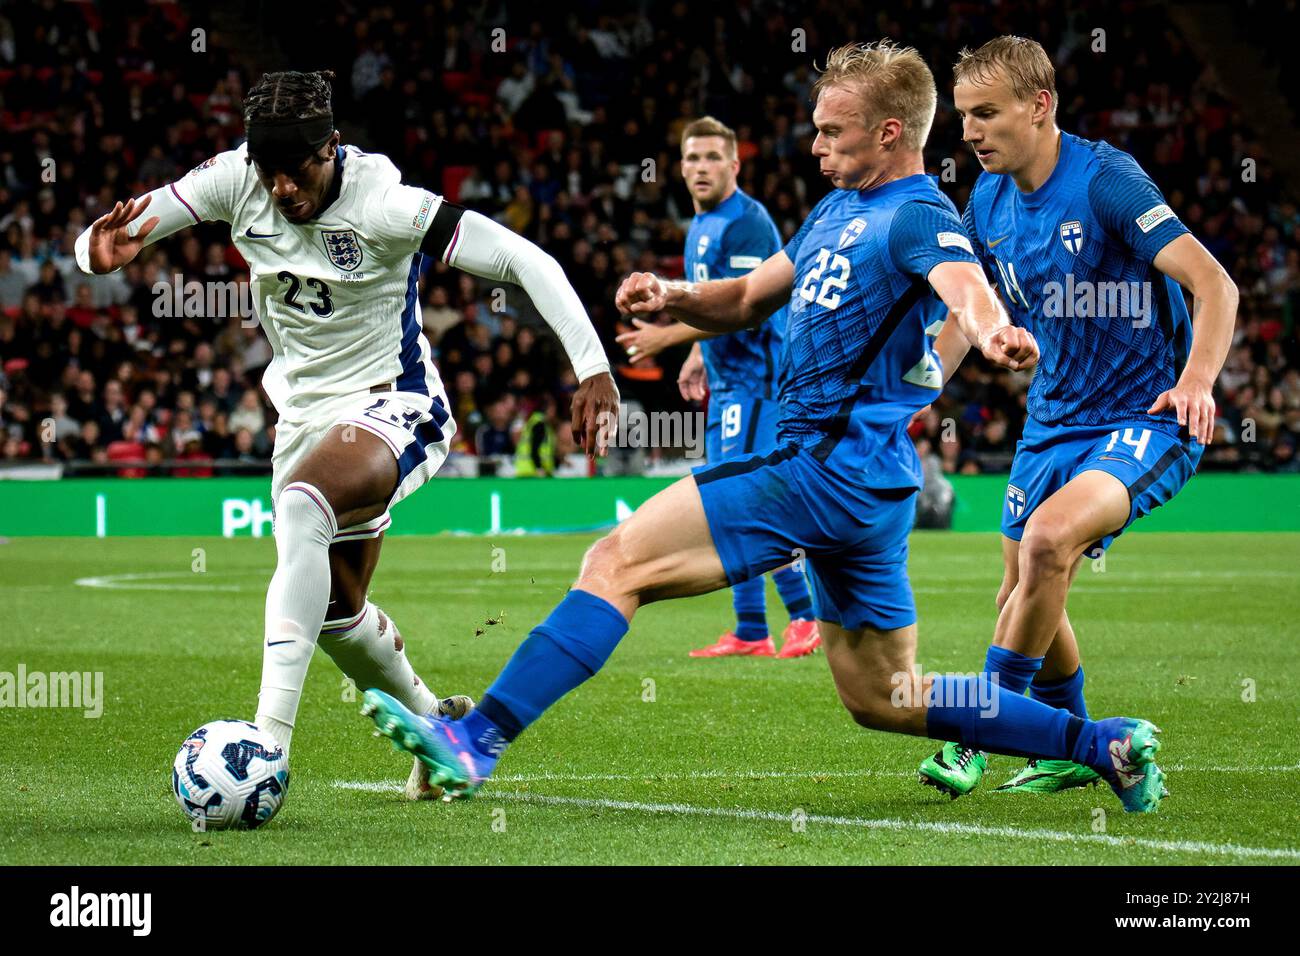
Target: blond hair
{"x":708,"y":126}
{"x":1024,"y":64}
{"x":893,"y":81}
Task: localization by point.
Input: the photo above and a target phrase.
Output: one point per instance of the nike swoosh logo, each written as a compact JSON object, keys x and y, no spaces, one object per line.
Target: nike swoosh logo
{"x":257,"y":235}
{"x":277,"y":643}
{"x":994,"y":242}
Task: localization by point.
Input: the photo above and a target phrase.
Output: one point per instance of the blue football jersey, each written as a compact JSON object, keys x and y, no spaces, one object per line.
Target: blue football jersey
{"x":725,"y":242}
{"x":858,"y":362}
{"x":1073,"y":263}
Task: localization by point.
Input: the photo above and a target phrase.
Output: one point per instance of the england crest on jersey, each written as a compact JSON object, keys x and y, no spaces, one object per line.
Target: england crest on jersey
{"x":851,"y":232}
{"x":1072,"y":235}
{"x":342,"y":247}
{"x":1015,"y":501}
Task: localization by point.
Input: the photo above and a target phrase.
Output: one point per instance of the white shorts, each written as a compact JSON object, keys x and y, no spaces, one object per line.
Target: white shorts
{"x":417,"y":429}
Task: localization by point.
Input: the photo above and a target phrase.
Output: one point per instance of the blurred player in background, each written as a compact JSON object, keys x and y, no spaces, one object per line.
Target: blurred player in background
{"x":1087,"y":255}
{"x":334,"y":244}
{"x":732,"y":234}
{"x":875,"y":264}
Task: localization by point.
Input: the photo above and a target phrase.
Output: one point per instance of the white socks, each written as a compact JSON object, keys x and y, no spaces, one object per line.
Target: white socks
{"x":368,"y":649}
{"x":296,"y":603}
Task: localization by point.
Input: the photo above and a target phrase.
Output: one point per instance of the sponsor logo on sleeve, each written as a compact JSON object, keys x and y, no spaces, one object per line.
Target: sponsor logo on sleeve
{"x":1154,"y":217}
{"x":423,"y":215}
{"x":955,"y":240}
{"x":745,"y":262}
{"x":206,"y":164}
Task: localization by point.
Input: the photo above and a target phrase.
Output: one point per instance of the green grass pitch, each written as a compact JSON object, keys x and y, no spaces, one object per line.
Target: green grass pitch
{"x":659,"y":759}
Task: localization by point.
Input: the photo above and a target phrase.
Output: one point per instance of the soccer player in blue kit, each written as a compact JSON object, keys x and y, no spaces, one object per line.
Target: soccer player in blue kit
{"x":877,"y":261}
{"x":1089,"y":257}
{"x":732,"y":234}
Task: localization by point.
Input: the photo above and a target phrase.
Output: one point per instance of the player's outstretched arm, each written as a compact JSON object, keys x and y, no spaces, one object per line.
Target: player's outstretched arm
{"x":974,"y":308}
{"x":117,"y":237}
{"x":1214,"y":315}
{"x":722,"y":305}
{"x":487,"y":249}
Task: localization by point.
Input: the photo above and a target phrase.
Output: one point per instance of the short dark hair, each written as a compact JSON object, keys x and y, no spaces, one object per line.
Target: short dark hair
{"x":289,"y":96}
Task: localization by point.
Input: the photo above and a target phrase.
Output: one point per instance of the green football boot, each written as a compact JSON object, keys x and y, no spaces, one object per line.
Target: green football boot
{"x":954,"y":770}
{"x":1049,"y":776}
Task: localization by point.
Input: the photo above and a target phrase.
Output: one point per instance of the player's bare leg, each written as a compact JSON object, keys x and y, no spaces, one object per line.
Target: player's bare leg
{"x":1085,"y":510}
{"x":664,"y":550}
{"x":875,"y":676}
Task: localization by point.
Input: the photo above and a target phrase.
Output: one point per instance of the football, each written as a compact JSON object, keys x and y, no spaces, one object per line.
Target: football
{"x":230,"y":774}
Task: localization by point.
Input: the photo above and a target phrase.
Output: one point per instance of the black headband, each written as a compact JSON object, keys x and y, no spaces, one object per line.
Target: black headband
{"x":284,"y":146}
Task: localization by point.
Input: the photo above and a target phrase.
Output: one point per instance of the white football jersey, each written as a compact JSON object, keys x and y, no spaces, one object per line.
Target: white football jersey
{"x":337,"y":296}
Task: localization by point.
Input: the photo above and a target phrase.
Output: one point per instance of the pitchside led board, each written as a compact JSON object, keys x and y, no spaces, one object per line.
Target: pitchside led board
{"x":241,"y":507}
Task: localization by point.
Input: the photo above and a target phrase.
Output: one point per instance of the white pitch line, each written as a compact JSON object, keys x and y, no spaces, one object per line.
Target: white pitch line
{"x":654,"y":777}
{"x":867,"y":823}
{"x":151,"y":581}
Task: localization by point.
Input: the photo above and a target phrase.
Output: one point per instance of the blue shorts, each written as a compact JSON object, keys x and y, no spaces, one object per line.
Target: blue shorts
{"x":1153,"y":465}
{"x":740,"y":425}
{"x":765,"y":511}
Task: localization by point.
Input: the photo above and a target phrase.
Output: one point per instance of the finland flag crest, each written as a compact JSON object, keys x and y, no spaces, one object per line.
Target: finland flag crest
{"x":1072,"y":235}
{"x":1015,"y":501}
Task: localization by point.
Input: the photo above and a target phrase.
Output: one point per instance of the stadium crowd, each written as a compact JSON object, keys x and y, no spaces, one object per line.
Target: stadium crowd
{"x":565,"y":128}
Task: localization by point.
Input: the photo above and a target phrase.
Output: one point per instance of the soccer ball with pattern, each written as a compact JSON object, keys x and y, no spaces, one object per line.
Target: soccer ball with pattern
{"x":230,"y":774}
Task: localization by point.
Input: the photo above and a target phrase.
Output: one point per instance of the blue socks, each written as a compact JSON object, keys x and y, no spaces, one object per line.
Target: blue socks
{"x":751,"y":603}
{"x":1066,"y":694}
{"x":558,"y":655}
{"x":976,"y":713}
{"x":1014,"y":670}
{"x":792,"y":587}
{"x":751,"y":609}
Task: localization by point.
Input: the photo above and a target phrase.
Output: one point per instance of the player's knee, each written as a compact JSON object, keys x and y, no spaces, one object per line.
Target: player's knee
{"x":1044,"y":551}
{"x":301,"y":509}
{"x":874,"y":709}
{"x":608,"y":567}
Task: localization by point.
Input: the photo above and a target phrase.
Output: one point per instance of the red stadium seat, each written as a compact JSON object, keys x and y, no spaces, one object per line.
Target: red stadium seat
{"x":131,"y":451}
{"x":452,"y":177}
{"x":455,"y":82}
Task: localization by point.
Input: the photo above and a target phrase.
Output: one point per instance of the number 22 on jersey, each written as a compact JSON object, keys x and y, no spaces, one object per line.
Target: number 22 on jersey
{"x":822,"y":286}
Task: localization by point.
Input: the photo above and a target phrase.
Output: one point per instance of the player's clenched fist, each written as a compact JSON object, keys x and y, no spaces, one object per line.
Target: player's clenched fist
{"x":1011,"y":347}
{"x":641,"y":292}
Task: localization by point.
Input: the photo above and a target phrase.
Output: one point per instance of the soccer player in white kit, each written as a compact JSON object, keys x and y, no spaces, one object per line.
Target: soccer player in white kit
{"x":334,"y":243}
